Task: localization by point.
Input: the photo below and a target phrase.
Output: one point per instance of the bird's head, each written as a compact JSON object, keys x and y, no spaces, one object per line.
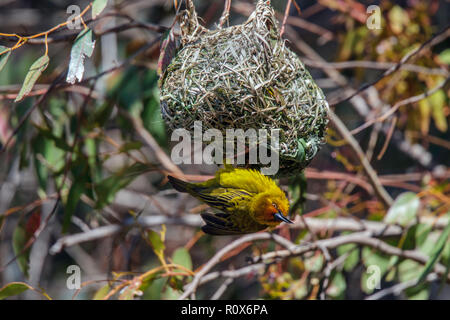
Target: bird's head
{"x":271,"y":208}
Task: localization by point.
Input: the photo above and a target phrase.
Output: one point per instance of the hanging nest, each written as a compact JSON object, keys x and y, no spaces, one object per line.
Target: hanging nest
{"x":245,"y":77}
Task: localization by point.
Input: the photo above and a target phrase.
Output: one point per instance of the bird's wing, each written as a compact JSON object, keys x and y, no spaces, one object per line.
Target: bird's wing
{"x":222,"y":198}
{"x":229,"y":224}
{"x":219,"y":224}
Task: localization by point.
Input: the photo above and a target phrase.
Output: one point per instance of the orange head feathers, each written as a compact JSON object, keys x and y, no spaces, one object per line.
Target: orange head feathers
{"x":248,"y":201}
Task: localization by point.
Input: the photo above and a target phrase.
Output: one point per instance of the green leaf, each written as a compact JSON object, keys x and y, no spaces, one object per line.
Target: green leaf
{"x":301,"y":292}
{"x":425,"y":109}
{"x":154,"y":289}
{"x":337,"y":286}
{"x":152,"y":119}
{"x":107,"y":188}
{"x":102,"y":113}
{"x":353,"y":255}
{"x":314,"y":263}
{"x":398,"y":19}
{"x":97,"y":7}
{"x":76,"y":190}
{"x":415,"y":237}
{"x":445,"y":56}
{"x":19,"y":241}
{"x":156,"y":241}
{"x":377,"y":265}
{"x":4,"y":57}
{"x":438,"y":105}
{"x":102,"y":292}
{"x":13,"y":289}
{"x":409,"y":270}
{"x":446,"y":254}
{"x":59,"y":142}
{"x":182,"y":257}
{"x":404,"y":209}
{"x":82,"y":48}
{"x":171,"y":294}
{"x":422,"y":294}
{"x":53,"y":158}
{"x":132,"y":145}
{"x":33,"y":74}
{"x":421,"y":232}
{"x":437,"y":250}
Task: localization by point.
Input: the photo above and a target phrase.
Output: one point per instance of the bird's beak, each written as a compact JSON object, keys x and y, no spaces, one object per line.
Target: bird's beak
{"x":279,"y":216}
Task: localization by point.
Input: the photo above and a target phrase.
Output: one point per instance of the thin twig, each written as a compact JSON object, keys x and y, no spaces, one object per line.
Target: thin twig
{"x":400,"y":287}
{"x":371,"y":174}
{"x":225,"y":13}
{"x":437,"y":38}
{"x":374,"y":65}
{"x":397,"y":105}
{"x":388,"y":138}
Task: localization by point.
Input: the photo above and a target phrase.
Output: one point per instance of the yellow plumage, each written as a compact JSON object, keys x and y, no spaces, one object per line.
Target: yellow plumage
{"x":248,"y":200}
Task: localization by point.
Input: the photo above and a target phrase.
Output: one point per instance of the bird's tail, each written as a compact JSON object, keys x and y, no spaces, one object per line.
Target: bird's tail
{"x":179,"y":185}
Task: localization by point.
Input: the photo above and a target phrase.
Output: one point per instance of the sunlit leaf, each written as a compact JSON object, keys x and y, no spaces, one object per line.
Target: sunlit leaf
{"x":425,"y":110}
{"x":337,"y":287}
{"x":102,"y":292}
{"x":33,"y":74}
{"x":83,"y":47}
{"x":301,"y":292}
{"x":409,"y":270}
{"x":353,"y":255}
{"x":398,"y":19}
{"x":438,"y":105}
{"x":97,"y":7}
{"x":156,"y":241}
{"x":314,"y":263}
{"x":182,"y":257}
{"x":4,"y":57}
{"x":445,"y":56}
{"x":439,"y":246}
{"x":404,"y":210}
{"x":13,"y":289}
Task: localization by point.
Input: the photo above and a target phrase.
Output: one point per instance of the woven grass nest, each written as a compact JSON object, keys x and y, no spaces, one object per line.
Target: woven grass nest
{"x":244,"y":76}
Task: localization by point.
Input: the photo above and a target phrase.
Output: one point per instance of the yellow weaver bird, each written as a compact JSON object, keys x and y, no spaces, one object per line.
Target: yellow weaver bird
{"x":249,"y":201}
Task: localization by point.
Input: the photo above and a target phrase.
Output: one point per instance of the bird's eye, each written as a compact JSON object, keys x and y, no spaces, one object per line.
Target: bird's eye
{"x":275,"y":205}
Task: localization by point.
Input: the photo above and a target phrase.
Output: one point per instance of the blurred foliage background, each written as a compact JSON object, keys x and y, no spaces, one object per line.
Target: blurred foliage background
{"x":84,"y":164}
